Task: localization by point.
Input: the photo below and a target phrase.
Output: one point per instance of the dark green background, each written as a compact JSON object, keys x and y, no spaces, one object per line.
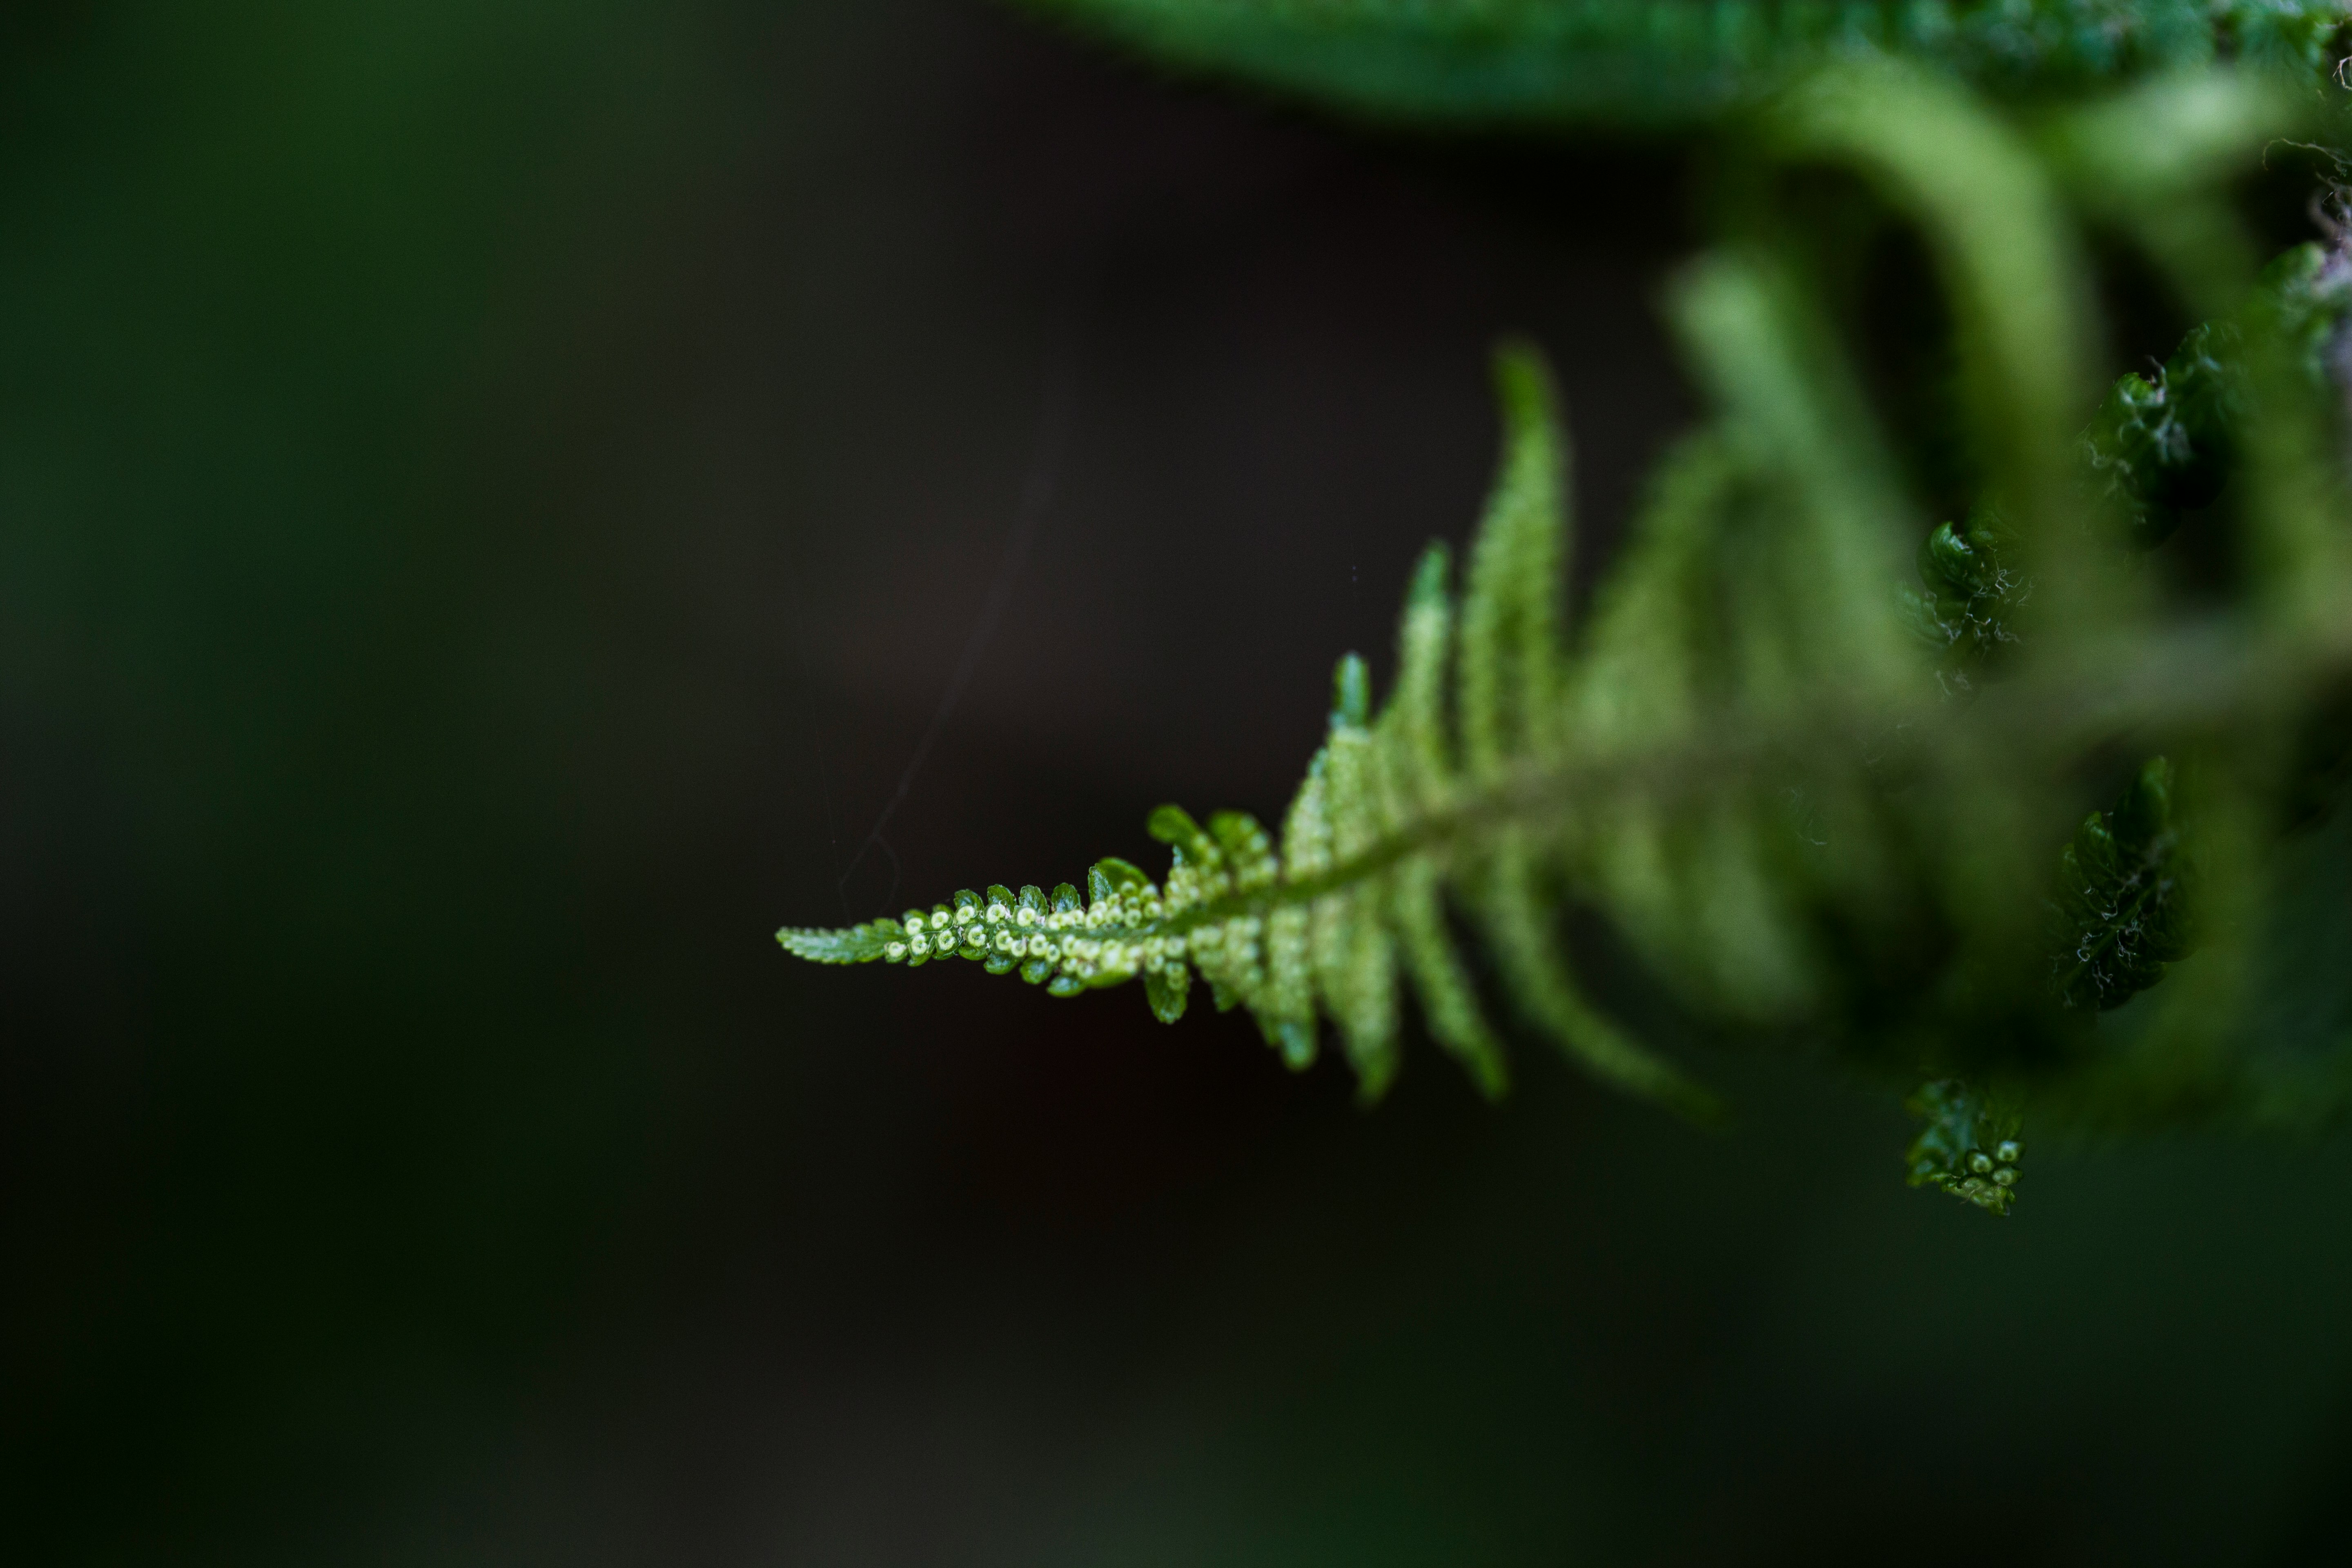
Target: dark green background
{"x":490,"y":497}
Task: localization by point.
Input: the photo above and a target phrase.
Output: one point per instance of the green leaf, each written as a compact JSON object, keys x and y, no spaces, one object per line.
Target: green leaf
{"x":1969,"y":1148}
{"x":2126,"y":904}
{"x":1974,"y":584}
{"x":1167,"y":989}
{"x":1664,"y":64}
{"x":858,"y":944}
{"x":1510,"y":654}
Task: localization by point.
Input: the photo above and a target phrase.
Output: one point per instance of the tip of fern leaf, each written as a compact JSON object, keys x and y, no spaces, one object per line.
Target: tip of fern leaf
{"x":1166,"y":991}
{"x":1523,"y":383}
{"x":1639,"y":1072}
{"x":853,"y":945}
{"x":1489,"y":1075}
{"x":1429,"y":577}
{"x":1685,"y":1099}
{"x":1111,"y":879}
{"x":1646,"y":1077}
{"x":1174,"y":827}
{"x":1351,"y":694}
{"x":1699,"y":1106}
{"x":1297,"y":1043}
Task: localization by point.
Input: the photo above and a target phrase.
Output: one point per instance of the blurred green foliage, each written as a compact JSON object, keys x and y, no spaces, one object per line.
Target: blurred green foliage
{"x":1620,"y":66}
{"x":313,"y":1152}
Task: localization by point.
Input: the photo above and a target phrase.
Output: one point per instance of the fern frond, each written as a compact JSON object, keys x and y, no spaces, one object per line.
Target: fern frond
{"x":1385,"y":826}
{"x":1745,"y":762}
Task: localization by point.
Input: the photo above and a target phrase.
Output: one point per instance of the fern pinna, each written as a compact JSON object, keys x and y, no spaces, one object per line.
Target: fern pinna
{"x":1814,"y":804}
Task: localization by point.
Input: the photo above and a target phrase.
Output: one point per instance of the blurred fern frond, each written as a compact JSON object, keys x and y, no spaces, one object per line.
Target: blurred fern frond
{"x":1803,"y":822}
{"x":1651,"y":65}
